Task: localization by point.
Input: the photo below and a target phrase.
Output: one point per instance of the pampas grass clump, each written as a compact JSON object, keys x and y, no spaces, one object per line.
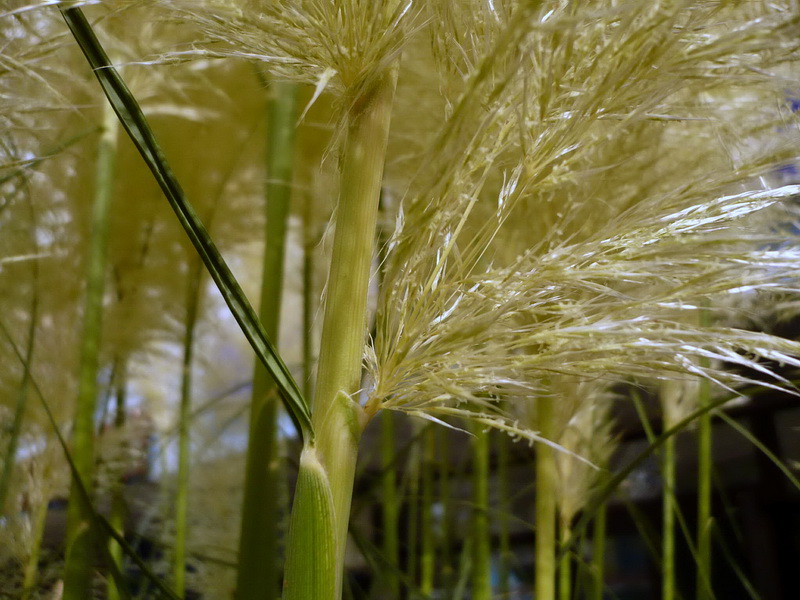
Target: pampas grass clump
{"x":573,"y":195}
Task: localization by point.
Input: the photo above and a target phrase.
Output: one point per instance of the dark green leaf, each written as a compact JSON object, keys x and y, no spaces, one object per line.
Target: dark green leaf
{"x":135,"y":124}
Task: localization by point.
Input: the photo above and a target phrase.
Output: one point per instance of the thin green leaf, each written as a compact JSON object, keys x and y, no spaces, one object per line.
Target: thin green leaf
{"x":135,"y":124}
{"x":761,"y":447}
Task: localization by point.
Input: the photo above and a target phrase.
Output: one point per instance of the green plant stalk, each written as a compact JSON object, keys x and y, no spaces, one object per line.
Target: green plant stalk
{"x":482,"y":559}
{"x":184,"y":423}
{"x":32,"y":566}
{"x":309,"y":241}
{"x":412,"y":526}
{"x":257,"y":574}
{"x":464,"y":569}
{"x":447,"y":559}
{"x":22,"y":392}
{"x":599,"y":552}
{"x":337,"y":418}
{"x":668,"y":521}
{"x":505,"y":511}
{"x":117,"y":517}
{"x":545,"y":552}
{"x":565,"y":566}
{"x":19,"y":412}
{"x":704,"y":465}
{"x":117,"y":521}
{"x":80,"y":541}
{"x":428,"y":550}
{"x":391,"y":509}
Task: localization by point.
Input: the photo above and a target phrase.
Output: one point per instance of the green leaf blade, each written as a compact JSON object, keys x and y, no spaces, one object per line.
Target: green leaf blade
{"x":140,"y":133}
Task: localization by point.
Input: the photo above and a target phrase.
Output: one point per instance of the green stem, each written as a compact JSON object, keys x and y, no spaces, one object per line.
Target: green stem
{"x":412,"y":526}
{"x":32,"y":566}
{"x":599,"y":552}
{"x":80,"y":543}
{"x":668,"y":521}
{"x":704,"y":464}
{"x":481,"y":567}
{"x":337,"y":418}
{"x":19,"y":410}
{"x":391,"y":546}
{"x":565,"y":566}
{"x":118,"y":508}
{"x":22,"y":392}
{"x":545,"y":553}
{"x":427,"y":556}
{"x":448,"y":570}
{"x":309,"y":242}
{"x":257,"y":575}
{"x":184,"y":421}
{"x":505,"y":511}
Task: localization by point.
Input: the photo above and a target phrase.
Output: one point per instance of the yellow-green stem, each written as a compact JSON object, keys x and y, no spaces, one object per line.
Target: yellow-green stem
{"x":309,"y":242}
{"x":481,"y":567}
{"x":184,"y":441}
{"x":337,"y":417}
{"x":257,"y":575}
{"x":80,"y":542}
{"x":704,"y":464}
{"x":565,"y":567}
{"x":32,"y":566}
{"x":391,"y":546}
{"x":668,"y":521}
{"x":545,"y":553}
{"x":19,"y":411}
{"x":117,"y":521}
{"x":599,"y":552}
{"x":427,"y":555}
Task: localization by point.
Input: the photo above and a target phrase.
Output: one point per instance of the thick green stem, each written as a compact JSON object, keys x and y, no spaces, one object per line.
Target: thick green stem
{"x":482,"y":560}
{"x":599,"y":552}
{"x":337,"y":418}
{"x":545,"y":555}
{"x":668,"y":521}
{"x":565,"y":566}
{"x":80,"y":543}
{"x":427,"y":556}
{"x":704,"y":464}
{"x":184,"y":440}
{"x":391,"y":546}
{"x":257,"y":576}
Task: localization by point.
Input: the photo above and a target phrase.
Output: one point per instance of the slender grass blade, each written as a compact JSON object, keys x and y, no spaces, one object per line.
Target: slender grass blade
{"x":135,"y":124}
